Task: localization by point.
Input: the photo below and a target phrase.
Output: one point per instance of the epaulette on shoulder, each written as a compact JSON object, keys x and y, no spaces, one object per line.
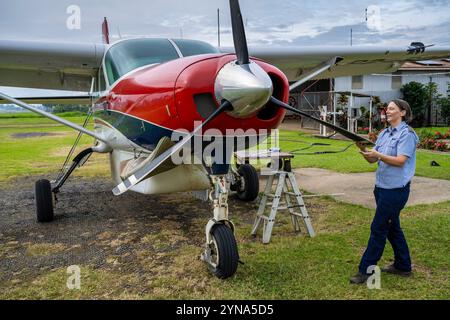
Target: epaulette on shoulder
{"x":411,"y":129}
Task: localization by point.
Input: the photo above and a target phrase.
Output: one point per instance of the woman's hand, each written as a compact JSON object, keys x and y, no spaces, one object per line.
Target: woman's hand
{"x":371,"y":156}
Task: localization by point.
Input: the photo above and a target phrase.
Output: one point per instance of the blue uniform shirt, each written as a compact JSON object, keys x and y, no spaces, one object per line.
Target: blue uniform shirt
{"x":395,"y":142}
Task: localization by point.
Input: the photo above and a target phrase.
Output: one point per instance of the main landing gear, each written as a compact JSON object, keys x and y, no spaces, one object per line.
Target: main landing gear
{"x":245,"y":182}
{"x":45,"y":193}
{"x":221,"y":252}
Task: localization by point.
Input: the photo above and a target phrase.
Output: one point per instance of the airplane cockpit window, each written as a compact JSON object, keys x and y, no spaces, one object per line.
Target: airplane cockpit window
{"x":194,"y":47}
{"x":128,"y":55}
{"x":101,"y":81}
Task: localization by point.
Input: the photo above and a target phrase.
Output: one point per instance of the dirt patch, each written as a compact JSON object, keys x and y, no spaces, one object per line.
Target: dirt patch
{"x":131,"y":234}
{"x":44,"y":249}
{"x":25,"y":135}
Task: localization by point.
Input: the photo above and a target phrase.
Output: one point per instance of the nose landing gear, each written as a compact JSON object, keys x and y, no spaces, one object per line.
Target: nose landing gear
{"x":221,"y":252}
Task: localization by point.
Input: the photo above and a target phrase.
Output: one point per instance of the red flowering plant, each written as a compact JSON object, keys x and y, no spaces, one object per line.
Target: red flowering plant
{"x":433,"y":141}
{"x":427,"y":143}
{"x":432,"y":144}
{"x":441,"y":146}
{"x":364,"y":130}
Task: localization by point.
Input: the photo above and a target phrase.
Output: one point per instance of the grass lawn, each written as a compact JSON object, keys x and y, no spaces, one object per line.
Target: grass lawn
{"x":433,"y":129}
{"x":290,"y":267}
{"x":22,"y":156}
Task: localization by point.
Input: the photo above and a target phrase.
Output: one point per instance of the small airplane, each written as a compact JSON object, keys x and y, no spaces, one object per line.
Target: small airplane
{"x":143,"y":90}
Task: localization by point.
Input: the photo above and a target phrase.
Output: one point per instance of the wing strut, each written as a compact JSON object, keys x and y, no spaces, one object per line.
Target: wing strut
{"x":342,"y":131}
{"x":318,"y":70}
{"x":52,"y":117}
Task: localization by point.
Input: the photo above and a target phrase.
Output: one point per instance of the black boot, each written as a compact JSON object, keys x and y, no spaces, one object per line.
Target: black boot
{"x":393,"y":270}
{"x":359,"y":278}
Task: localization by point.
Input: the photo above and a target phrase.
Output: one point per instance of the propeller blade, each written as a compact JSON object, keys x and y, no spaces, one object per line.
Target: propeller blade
{"x":139,"y":175}
{"x":345,"y":133}
{"x":239,"y":39}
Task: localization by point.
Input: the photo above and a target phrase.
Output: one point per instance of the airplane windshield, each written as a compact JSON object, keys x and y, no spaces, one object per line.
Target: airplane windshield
{"x":194,"y":47}
{"x":128,"y":55}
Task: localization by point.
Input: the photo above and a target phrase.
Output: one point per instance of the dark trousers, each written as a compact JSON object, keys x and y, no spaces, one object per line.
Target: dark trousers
{"x":386,"y":224}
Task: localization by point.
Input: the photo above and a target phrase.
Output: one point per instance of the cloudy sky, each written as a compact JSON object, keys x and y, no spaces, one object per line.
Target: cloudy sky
{"x":268,"y":22}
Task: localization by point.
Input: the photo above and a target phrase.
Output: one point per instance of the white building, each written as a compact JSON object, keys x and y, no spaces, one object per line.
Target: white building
{"x":387,"y":86}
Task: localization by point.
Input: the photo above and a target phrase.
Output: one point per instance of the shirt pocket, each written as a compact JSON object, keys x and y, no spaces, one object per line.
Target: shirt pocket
{"x":392,"y":147}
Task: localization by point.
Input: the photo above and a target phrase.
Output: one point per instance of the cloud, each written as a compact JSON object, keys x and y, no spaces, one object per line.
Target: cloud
{"x":268,"y":22}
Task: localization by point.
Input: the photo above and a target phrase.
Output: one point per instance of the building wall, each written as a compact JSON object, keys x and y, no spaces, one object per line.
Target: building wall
{"x":382,"y":85}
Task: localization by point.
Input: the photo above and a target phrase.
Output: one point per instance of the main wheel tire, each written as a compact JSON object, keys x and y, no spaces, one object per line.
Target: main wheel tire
{"x":251,"y":183}
{"x":224,"y":251}
{"x":44,"y":201}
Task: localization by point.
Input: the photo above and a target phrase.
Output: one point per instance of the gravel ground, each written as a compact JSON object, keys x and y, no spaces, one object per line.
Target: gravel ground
{"x":94,"y":228}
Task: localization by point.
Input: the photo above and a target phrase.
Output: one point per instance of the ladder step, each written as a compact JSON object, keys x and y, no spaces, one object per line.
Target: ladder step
{"x":283,"y":205}
{"x":289,"y":193}
{"x":269,"y":204}
{"x":271,"y":195}
{"x":288,"y":207}
{"x":299,"y":215}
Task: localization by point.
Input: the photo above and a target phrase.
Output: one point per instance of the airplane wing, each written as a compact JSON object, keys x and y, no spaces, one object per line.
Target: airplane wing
{"x":49,"y":65}
{"x":356,"y":60}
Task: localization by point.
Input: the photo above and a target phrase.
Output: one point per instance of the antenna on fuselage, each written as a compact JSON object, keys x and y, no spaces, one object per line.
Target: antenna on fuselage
{"x":105,"y":31}
{"x":218,"y":27}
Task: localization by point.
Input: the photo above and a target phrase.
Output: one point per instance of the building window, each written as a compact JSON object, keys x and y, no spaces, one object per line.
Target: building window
{"x":357,"y":82}
{"x":396,"y":81}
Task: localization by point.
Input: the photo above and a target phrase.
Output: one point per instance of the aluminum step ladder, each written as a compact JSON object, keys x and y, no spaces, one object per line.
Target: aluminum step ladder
{"x":287,"y":188}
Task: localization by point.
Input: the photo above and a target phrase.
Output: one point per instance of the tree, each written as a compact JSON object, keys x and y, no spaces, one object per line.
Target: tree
{"x":445,"y":107}
{"x":433,"y":98}
{"x":59,"y":108}
{"x":342,"y":104}
{"x":416,"y":95}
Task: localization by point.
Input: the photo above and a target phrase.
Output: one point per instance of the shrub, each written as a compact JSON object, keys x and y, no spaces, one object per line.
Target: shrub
{"x":416,"y":95}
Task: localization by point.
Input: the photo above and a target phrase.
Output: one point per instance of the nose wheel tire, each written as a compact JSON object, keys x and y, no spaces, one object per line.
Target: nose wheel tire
{"x":250,"y":189}
{"x":44,"y":201}
{"x":224,"y":252}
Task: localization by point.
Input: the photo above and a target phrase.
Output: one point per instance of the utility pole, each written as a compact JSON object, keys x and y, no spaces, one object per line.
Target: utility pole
{"x":351,"y":37}
{"x":218,"y":27}
{"x":430,"y":102}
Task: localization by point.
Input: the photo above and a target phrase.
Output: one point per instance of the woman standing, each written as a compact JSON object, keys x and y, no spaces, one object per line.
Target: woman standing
{"x":395,"y":152}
